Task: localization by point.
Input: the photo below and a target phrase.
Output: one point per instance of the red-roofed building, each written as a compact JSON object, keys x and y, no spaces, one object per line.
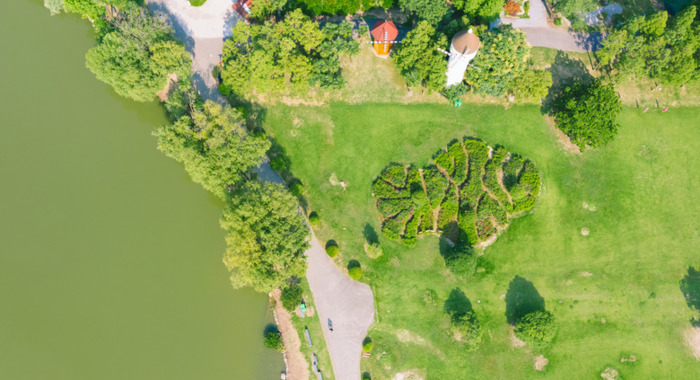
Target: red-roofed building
{"x":384,"y":34}
{"x":243,"y":8}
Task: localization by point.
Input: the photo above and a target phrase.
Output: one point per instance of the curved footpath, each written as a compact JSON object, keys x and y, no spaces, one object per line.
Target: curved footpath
{"x":348,"y":304}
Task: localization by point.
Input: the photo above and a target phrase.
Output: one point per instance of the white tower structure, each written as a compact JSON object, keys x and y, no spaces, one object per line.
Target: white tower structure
{"x":463,"y":49}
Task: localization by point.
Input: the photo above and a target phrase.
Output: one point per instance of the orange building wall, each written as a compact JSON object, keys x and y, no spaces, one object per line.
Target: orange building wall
{"x":379,"y":48}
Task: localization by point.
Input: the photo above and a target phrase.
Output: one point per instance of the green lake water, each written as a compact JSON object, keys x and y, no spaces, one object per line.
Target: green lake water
{"x":110,"y":258}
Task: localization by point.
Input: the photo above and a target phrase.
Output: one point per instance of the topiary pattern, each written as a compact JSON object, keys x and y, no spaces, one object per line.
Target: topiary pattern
{"x":468,"y":195}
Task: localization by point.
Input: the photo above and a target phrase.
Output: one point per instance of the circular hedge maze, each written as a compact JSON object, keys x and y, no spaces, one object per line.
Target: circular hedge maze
{"x":468,"y":195}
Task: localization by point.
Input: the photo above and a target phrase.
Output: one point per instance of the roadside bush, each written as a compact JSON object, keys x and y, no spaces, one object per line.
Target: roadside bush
{"x":354,"y":270}
{"x":273,"y":340}
{"x":291,"y":297}
{"x":367,"y":345}
{"x":332,"y":250}
{"x":314,"y":219}
{"x":536,"y":328}
{"x":373,"y":250}
{"x":297,"y":189}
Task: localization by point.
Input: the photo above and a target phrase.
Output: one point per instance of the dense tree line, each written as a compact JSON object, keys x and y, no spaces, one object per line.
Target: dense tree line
{"x":294,"y":52}
{"x":266,"y":234}
{"x":654,"y":46}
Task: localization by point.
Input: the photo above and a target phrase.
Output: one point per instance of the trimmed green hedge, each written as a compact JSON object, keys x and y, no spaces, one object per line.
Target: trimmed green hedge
{"x":408,"y":199}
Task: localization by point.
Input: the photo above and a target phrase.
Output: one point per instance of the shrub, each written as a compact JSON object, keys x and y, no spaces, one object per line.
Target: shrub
{"x":536,"y":328}
{"x":461,"y":260}
{"x":224,"y":89}
{"x":395,"y":174}
{"x":373,"y":250}
{"x":278,"y":164}
{"x":367,"y":345}
{"x":332,"y":250}
{"x":314,"y":219}
{"x":436,"y":184}
{"x":291,"y":297}
{"x":297,"y":189}
{"x":273,"y":340}
{"x":557,"y":21}
{"x":512,"y":8}
{"x":355,"y":271}
{"x":468,"y":329}
{"x":410,"y":232}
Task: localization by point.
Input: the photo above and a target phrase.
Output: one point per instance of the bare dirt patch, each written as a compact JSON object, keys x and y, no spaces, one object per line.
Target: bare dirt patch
{"x":585,"y":274}
{"x":294,"y":360}
{"x":585,"y":231}
{"x":514,"y":341}
{"x":541,"y":362}
{"x":169,"y":86}
{"x":413,"y":374}
{"x":610,"y":374}
{"x":563,"y":139}
{"x":692,"y":339}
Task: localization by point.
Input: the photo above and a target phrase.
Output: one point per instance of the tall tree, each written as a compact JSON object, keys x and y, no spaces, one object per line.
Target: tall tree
{"x":137,"y":55}
{"x":500,"y":60}
{"x":266,"y":237}
{"x":431,"y":11}
{"x":588,"y":113}
{"x":419,"y":60}
{"x":214,"y":147}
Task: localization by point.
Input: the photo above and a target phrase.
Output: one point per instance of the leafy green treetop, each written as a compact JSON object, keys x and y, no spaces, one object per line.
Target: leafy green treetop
{"x":213,"y":145}
{"x":432,"y":11}
{"x":137,"y":55}
{"x":536,"y":328}
{"x":587,"y":113}
{"x":419,"y":60}
{"x":266,"y":237}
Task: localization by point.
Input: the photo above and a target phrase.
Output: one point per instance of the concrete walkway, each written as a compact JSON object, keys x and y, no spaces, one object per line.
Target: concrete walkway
{"x":348,"y":304}
{"x":540,"y":31}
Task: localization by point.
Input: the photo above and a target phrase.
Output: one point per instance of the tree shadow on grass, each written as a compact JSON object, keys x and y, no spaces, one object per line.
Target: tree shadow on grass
{"x":457,"y":303}
{"x":690,"y":287}
{"x":370,"y":234}
{"x":522,"y":298}
{"x":565,"y":72}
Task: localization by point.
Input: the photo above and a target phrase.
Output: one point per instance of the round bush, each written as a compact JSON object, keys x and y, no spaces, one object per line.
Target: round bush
{"x":278,"y":164}
{"x":273,"y":340}
{"x":332,"y":250}
{"x":373,"y":250}
{"x":355,"y":273}
{"x":224,"y":89}
{"x":291,"y":297}
{"x":297,"y":189}
{"x":367,"y":345}
{"x":536,"y":327}
{"x":314,"y":219}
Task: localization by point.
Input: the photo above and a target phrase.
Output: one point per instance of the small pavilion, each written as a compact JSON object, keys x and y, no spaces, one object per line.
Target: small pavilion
{"x":384,"y":34}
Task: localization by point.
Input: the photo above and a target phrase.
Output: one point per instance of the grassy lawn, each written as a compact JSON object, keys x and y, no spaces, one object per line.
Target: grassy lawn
{"x":614,"y":292}
{"x":317,"y":340}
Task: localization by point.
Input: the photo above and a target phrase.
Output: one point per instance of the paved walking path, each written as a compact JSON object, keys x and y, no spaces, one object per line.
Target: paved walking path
{"x":348,"y":304}
{"x":540,"y":31}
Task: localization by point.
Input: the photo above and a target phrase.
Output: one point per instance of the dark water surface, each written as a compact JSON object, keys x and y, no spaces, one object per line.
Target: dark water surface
{"x":110,"y":258}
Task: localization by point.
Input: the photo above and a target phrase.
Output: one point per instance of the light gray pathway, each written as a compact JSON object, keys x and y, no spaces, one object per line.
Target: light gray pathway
{"x":348,"y":304}
{"x":540,"y":31}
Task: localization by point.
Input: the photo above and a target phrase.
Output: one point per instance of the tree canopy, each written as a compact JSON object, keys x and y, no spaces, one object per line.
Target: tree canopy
{"x":655,"y":47}
{"x":266,"y":237}
{"x":587,"y":113}
{"x":501,"y":59}
{"x":213,"y":145}
{"x":432,"y":11}
{"x":137,"y":54}
{"x":294,"y":51}
{"x":419,"y":60}
{"x":536,"y":328}
{"x":484,"y":10}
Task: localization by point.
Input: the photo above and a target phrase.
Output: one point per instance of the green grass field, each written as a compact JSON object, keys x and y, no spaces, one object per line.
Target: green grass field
{"x":643,"y":236}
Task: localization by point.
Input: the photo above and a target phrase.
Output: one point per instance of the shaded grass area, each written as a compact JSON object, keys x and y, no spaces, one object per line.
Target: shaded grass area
{"x":614,"y":292}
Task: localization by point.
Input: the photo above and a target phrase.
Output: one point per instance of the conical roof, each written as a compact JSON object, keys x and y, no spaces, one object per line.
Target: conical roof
{"x":466,"y":42}
{"x":384,"y":30}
